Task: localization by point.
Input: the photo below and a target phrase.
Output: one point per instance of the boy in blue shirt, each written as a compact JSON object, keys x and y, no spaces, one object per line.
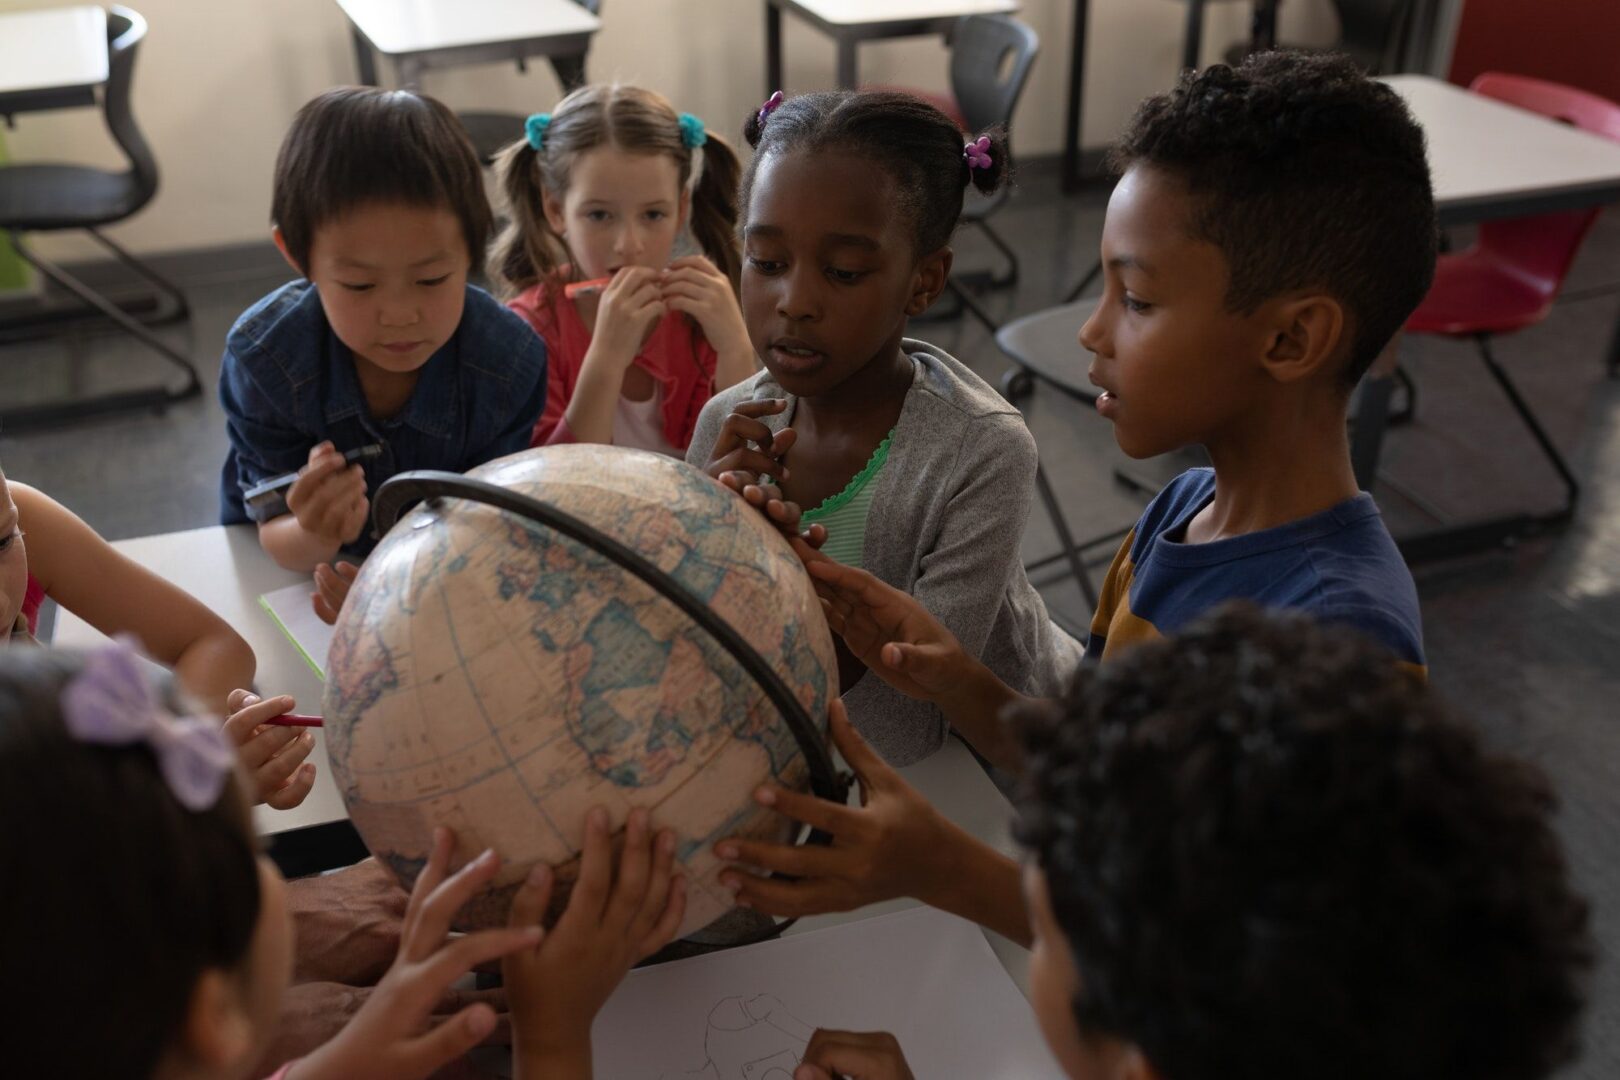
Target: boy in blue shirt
{"x":379,"y":205}
{"x":1258,"y":851}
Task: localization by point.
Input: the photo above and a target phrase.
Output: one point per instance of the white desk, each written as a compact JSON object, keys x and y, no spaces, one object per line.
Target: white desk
{"x":52,"y":59}
{"x":1489,"y":159}
{"x":420,"y":34}
{"x":224,"y":567}
{"x":849,"y":22}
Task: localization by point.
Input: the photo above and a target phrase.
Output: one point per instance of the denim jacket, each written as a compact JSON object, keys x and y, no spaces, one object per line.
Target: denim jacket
{"x":288,"y":383}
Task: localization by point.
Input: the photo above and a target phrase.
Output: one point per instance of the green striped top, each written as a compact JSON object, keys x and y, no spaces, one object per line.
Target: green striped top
{"x":844,"y":514}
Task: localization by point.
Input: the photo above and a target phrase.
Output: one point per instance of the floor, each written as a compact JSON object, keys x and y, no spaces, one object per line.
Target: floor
{"x":1524,"y":641}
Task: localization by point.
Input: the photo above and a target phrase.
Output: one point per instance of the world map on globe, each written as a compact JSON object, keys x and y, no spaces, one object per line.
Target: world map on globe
{"x":490,"y":674}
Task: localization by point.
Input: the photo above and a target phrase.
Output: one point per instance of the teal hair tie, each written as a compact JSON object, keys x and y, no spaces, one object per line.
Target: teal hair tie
{"x":535,"y":128}
{"x":692,"y":133}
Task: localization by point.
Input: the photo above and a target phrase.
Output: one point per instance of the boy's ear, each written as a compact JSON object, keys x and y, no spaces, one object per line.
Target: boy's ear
{"x":1307,"y":336}
{"x":216,"y":1033}
{"x":932,"y":273}
{"x":281,"y":246}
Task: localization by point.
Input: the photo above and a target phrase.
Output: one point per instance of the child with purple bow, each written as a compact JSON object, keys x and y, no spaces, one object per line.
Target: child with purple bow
{"x":910,"y":465}
{"x":138,"y":875}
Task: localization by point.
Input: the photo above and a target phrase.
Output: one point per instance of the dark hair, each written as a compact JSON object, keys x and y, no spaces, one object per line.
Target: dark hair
{"x":354,"y":145}
{"x":1306,"y":174}
{"x":628,"y":118}
{"x":117,"y":898}
{"x":1273,"y":853}
{"x":905,"y":136}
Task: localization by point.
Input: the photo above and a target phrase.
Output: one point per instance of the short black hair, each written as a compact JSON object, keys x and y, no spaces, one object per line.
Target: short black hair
{"x":354,"y":145}
{"x":1306,"y":174}
{"x":910,"y":139}
{"x":116,"y":897}
{"x":1274,"y":853}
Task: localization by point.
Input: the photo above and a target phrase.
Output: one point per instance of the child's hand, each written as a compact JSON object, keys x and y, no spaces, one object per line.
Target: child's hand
{"x":557,"y":988}
{"x":746,"y":449}
{"x":332,"y":582}
{"x":890,"y":632}
{"x":329,"y":498}
{"x":857,"y":1055}
{"x":392,"y":1037}
{"x":272,"y":755}
{"x":885,"y":848}
{"x":630,"y":305}
{"x":694,"y":285}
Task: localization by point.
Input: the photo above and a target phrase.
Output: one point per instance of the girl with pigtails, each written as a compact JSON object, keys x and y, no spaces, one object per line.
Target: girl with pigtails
{"x":597,"y":193}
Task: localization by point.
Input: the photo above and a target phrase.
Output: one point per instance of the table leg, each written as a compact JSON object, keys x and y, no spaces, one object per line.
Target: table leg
{"x":409,"y":73}
{"x":1263,"y":27}
{"x":1192,"y":40}
{"x":570,"y":71}
{"x":365,"y":64}
{"x":773,"y":48}
{"x":846,"y":64}
{"x":1077,"y":78}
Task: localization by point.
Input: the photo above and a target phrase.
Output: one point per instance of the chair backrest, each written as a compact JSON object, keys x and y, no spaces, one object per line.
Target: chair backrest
{"x":990,"y":60}
{"x":1369,"y":29}
{"x":125,"y":30}
{"x":1543,"y":247}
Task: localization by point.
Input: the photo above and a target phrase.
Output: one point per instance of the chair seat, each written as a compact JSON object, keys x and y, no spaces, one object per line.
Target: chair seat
{"x":44,"y":197}
{"x":491,"y":132}
{"x":1047,"y":344}
{"x":1475,"y":293}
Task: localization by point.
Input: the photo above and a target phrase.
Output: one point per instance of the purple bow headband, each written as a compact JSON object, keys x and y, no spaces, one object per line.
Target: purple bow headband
{"x":111,"y":703}
{"x":977,"y":153}
{"x":770,"y":106}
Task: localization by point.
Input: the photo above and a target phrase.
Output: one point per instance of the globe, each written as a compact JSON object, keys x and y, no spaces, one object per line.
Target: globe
{"x":490,"y":674}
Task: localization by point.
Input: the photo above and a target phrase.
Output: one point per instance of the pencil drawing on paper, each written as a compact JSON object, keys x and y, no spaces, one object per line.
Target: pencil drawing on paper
{"x":749,"y":1038}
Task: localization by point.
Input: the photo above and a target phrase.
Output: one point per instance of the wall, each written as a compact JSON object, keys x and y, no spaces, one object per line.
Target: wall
{"x":218,"y":80}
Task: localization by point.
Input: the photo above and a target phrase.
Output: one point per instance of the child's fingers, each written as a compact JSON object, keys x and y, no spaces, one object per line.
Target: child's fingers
{"x":433,"y":918}
{"x":279,"y":768}
{"x":446,"y":1042}
{"x":595,"y":871}
{"x":669,"y":921}
{"x":432,"y":873}
{"x":296,"y":790}
{"x":868,"y":767}
{"x":655,"y":896}
{"x":799,"y":860}
{"x":635,"y":868}
{"x":748,"y":460}
{"x":264,"y":746}
{"x":782,"y":442}
{"x":740,"y":428}
{"x":323,"y":610}
{"x":238,"y":700}
{"x":240,"y":725}
{"x":346,"y":570}
{"x":758,"y":407}
{"x":465,"y":953}
{"x":532,"y":898}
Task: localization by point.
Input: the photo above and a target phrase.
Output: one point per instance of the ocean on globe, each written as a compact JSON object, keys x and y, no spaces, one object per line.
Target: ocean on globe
{"x":494,"y":676}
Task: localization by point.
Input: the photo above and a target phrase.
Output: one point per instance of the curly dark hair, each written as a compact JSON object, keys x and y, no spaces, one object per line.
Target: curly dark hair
{"x":1273,"y":853}
{"x":905,"y":136}
{"x":1306,"y":174}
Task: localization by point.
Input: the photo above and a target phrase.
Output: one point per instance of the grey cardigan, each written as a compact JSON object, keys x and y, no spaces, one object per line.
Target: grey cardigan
{"x":945,"y":524}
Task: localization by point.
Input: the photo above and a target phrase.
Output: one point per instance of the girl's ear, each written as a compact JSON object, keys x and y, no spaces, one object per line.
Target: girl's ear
{"x":929,"y":281}
{"x":217,"y":1033}
{"x":553,"y":207}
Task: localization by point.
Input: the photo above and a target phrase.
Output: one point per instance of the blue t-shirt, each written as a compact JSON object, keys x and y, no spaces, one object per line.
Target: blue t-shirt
{"x":1340,"y":565}
{"x":288,"y":383}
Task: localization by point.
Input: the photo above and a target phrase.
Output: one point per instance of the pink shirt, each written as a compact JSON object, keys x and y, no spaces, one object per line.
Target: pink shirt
{"x":677,"y":356}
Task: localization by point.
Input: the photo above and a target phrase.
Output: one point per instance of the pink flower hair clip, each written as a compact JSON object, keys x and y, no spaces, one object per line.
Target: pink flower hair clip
{"x":977,"y":153}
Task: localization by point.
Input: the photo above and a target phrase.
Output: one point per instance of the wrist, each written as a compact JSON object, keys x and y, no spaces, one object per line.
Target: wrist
{"x":552,"y":1059}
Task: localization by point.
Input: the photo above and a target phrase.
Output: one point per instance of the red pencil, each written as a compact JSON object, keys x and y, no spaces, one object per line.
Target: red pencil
{"x":594,"y":285}
{"x":295,"y":720}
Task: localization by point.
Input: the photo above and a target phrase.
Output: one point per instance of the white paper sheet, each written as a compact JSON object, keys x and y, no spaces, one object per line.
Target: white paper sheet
{"x":295,"y":614}
{"x":746,"y":1014}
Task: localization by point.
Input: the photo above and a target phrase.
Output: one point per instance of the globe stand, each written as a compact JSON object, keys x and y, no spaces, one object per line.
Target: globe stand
{"x":826,"y":780}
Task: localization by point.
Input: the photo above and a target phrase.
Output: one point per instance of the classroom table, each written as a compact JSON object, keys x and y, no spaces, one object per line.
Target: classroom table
{"x":850,"y":22}
{"x":51,"y":59}
{"x":224,"y":567}
{"x":425,"y":34}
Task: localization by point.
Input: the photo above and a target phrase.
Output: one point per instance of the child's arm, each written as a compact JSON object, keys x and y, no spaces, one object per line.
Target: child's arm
{"x":630,"y":306}
{"x":390,"y":1037}
{"x":894,"y":844}
{"x":328,"y":507}
{"x":854,"y":1055}
{"x":898,"y":641}
{"x":87,"y":576}
{"x":557,"y":987}
{"x":695,"y":286}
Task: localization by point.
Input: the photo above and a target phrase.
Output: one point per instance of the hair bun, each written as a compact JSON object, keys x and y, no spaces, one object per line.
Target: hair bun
{"x":988,"y":178}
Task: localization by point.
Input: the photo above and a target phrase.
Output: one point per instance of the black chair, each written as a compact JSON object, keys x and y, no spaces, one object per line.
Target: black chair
{"x":47,"y":198}
{"x":491,"y":132}
{"x":1370,"y":33}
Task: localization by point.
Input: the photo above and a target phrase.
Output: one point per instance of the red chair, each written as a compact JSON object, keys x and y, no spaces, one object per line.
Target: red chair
{"x":1511,"y":275}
